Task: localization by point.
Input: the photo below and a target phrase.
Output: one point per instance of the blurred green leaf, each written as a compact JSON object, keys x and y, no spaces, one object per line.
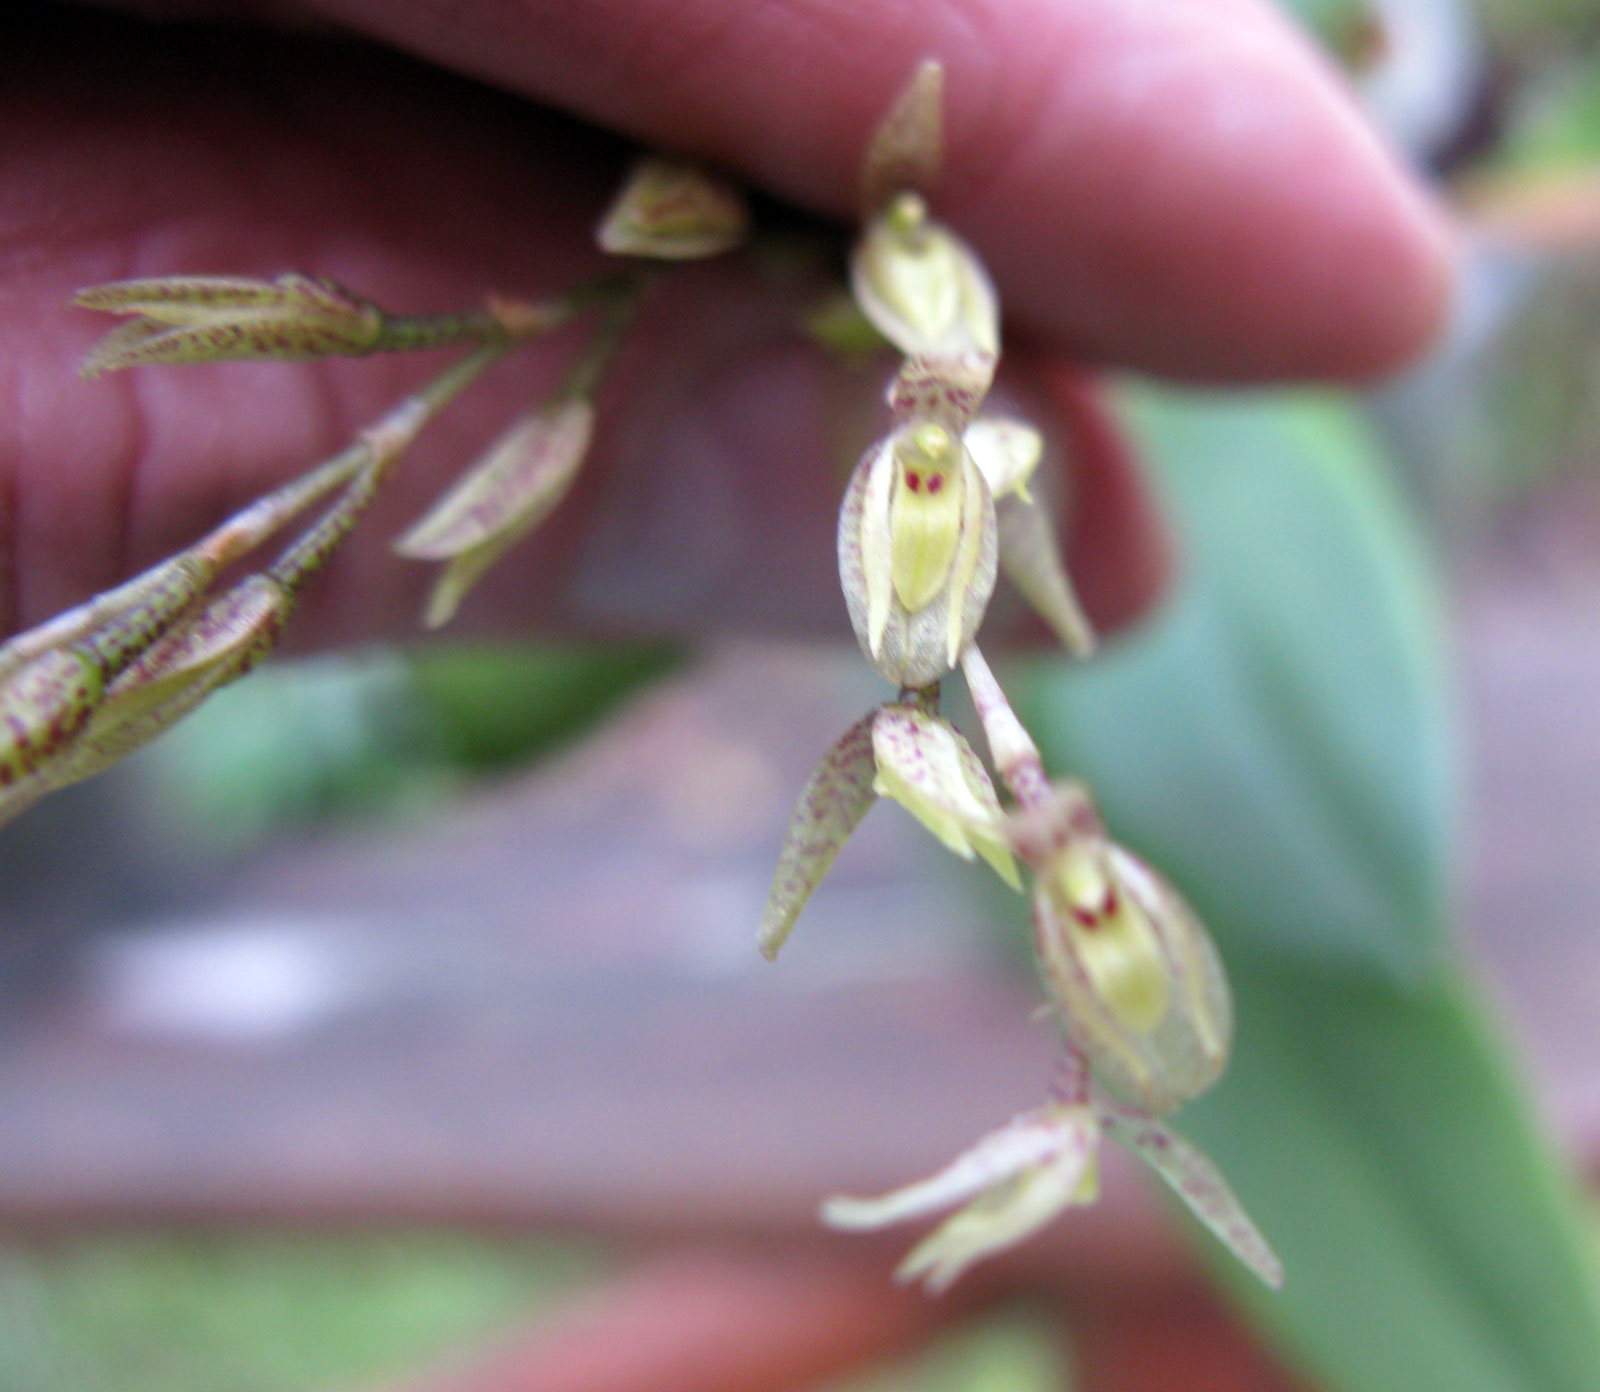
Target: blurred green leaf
{"x":364,"y":733}
{"x":1336,"y":23}
{"x":1279,"y":742}
{"x":1384,"y":1145}
{"x":263,"y":1312}
{"x":1015,"y":1350}
{"x":1554,"y":120}
{"x":1280,"y":736}
{"x":488,"y":706}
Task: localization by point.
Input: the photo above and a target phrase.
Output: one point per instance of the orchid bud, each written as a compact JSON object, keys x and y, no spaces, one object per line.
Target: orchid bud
{"x":514,"y":487}
{"x":673,"y":211}
{"x":44,"y":706}
{"x":223,"y":641}
{"x":1134,"y":974}
{"x":185,"y":319}
{"x":1008,"y":451}
{"x":907,"y":148}
{"x":917,"y":552}
{"x":923,"y":288}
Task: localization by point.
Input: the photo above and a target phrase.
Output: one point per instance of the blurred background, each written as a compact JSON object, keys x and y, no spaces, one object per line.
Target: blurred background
{"x":397,"y":1021}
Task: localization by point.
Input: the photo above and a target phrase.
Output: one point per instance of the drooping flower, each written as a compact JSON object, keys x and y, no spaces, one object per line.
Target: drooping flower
{"x":1018,"y":1178}
{"x":1011,"y":1183}
{"x":1136,"y":979}
{"x":514,"y":487}
{"x":898,"y":751}
{"x":917,"y":552}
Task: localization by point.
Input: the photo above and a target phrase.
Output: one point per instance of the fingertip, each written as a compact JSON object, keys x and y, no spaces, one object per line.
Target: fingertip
{"x":1195,"y":192}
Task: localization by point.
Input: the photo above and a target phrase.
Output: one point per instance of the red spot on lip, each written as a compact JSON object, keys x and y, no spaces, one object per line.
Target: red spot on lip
{"x":935,"y":482}
{"x":914,"y":482}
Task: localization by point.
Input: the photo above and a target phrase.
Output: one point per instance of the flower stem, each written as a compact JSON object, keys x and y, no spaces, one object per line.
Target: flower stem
{"x":1015,"y":754}
{"x":626,"y":295}
{"x":368,"y":459}
{"x":1071,"y":1081}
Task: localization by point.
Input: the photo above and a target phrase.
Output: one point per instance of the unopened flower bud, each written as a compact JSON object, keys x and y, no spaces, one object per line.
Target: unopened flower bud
{"x":497,"y":502}
{"x":907,"y":148}
{"x":185,"y":319}
{"x":917,"y":552}
{"x":673,"y":211}
{"x":44,"y":706}
{"x":219,"y":644}
{"x":1137,"y":980}
{"x":923,"y":288}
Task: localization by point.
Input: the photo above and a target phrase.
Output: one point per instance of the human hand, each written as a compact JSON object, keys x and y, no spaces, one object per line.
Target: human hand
{"x":1178,"y":187}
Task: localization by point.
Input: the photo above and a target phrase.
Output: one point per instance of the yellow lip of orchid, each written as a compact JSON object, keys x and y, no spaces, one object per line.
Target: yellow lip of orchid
{"x":925,"y":513}
{"x":897,"y":543}
{"x":1114,"y":937}
{"x":1136,"y":979}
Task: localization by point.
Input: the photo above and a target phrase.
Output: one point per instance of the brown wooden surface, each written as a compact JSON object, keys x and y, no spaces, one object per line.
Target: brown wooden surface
{"x":545,"y":1007}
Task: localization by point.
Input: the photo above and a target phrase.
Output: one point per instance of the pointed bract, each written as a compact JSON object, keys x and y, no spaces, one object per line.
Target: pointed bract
{"x":907,"y":148}
{"x":1195,"y":1180}
{"x":831,"y":806}
{"x":1030,"y":558}
{"x":925,"y":765}
{"x":673,"y":211}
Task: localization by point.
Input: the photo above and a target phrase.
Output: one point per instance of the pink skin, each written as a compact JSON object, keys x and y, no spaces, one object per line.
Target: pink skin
{"x":1181,"y":186}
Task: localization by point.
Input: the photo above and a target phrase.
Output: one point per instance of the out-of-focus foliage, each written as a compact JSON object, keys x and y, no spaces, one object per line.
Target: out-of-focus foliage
{"x":1281,"y":733}
{"x":379,"y":733}
{"x":1015,"y":1350}
{"x":256,"y":1312}
{"x":1279,"y":741}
